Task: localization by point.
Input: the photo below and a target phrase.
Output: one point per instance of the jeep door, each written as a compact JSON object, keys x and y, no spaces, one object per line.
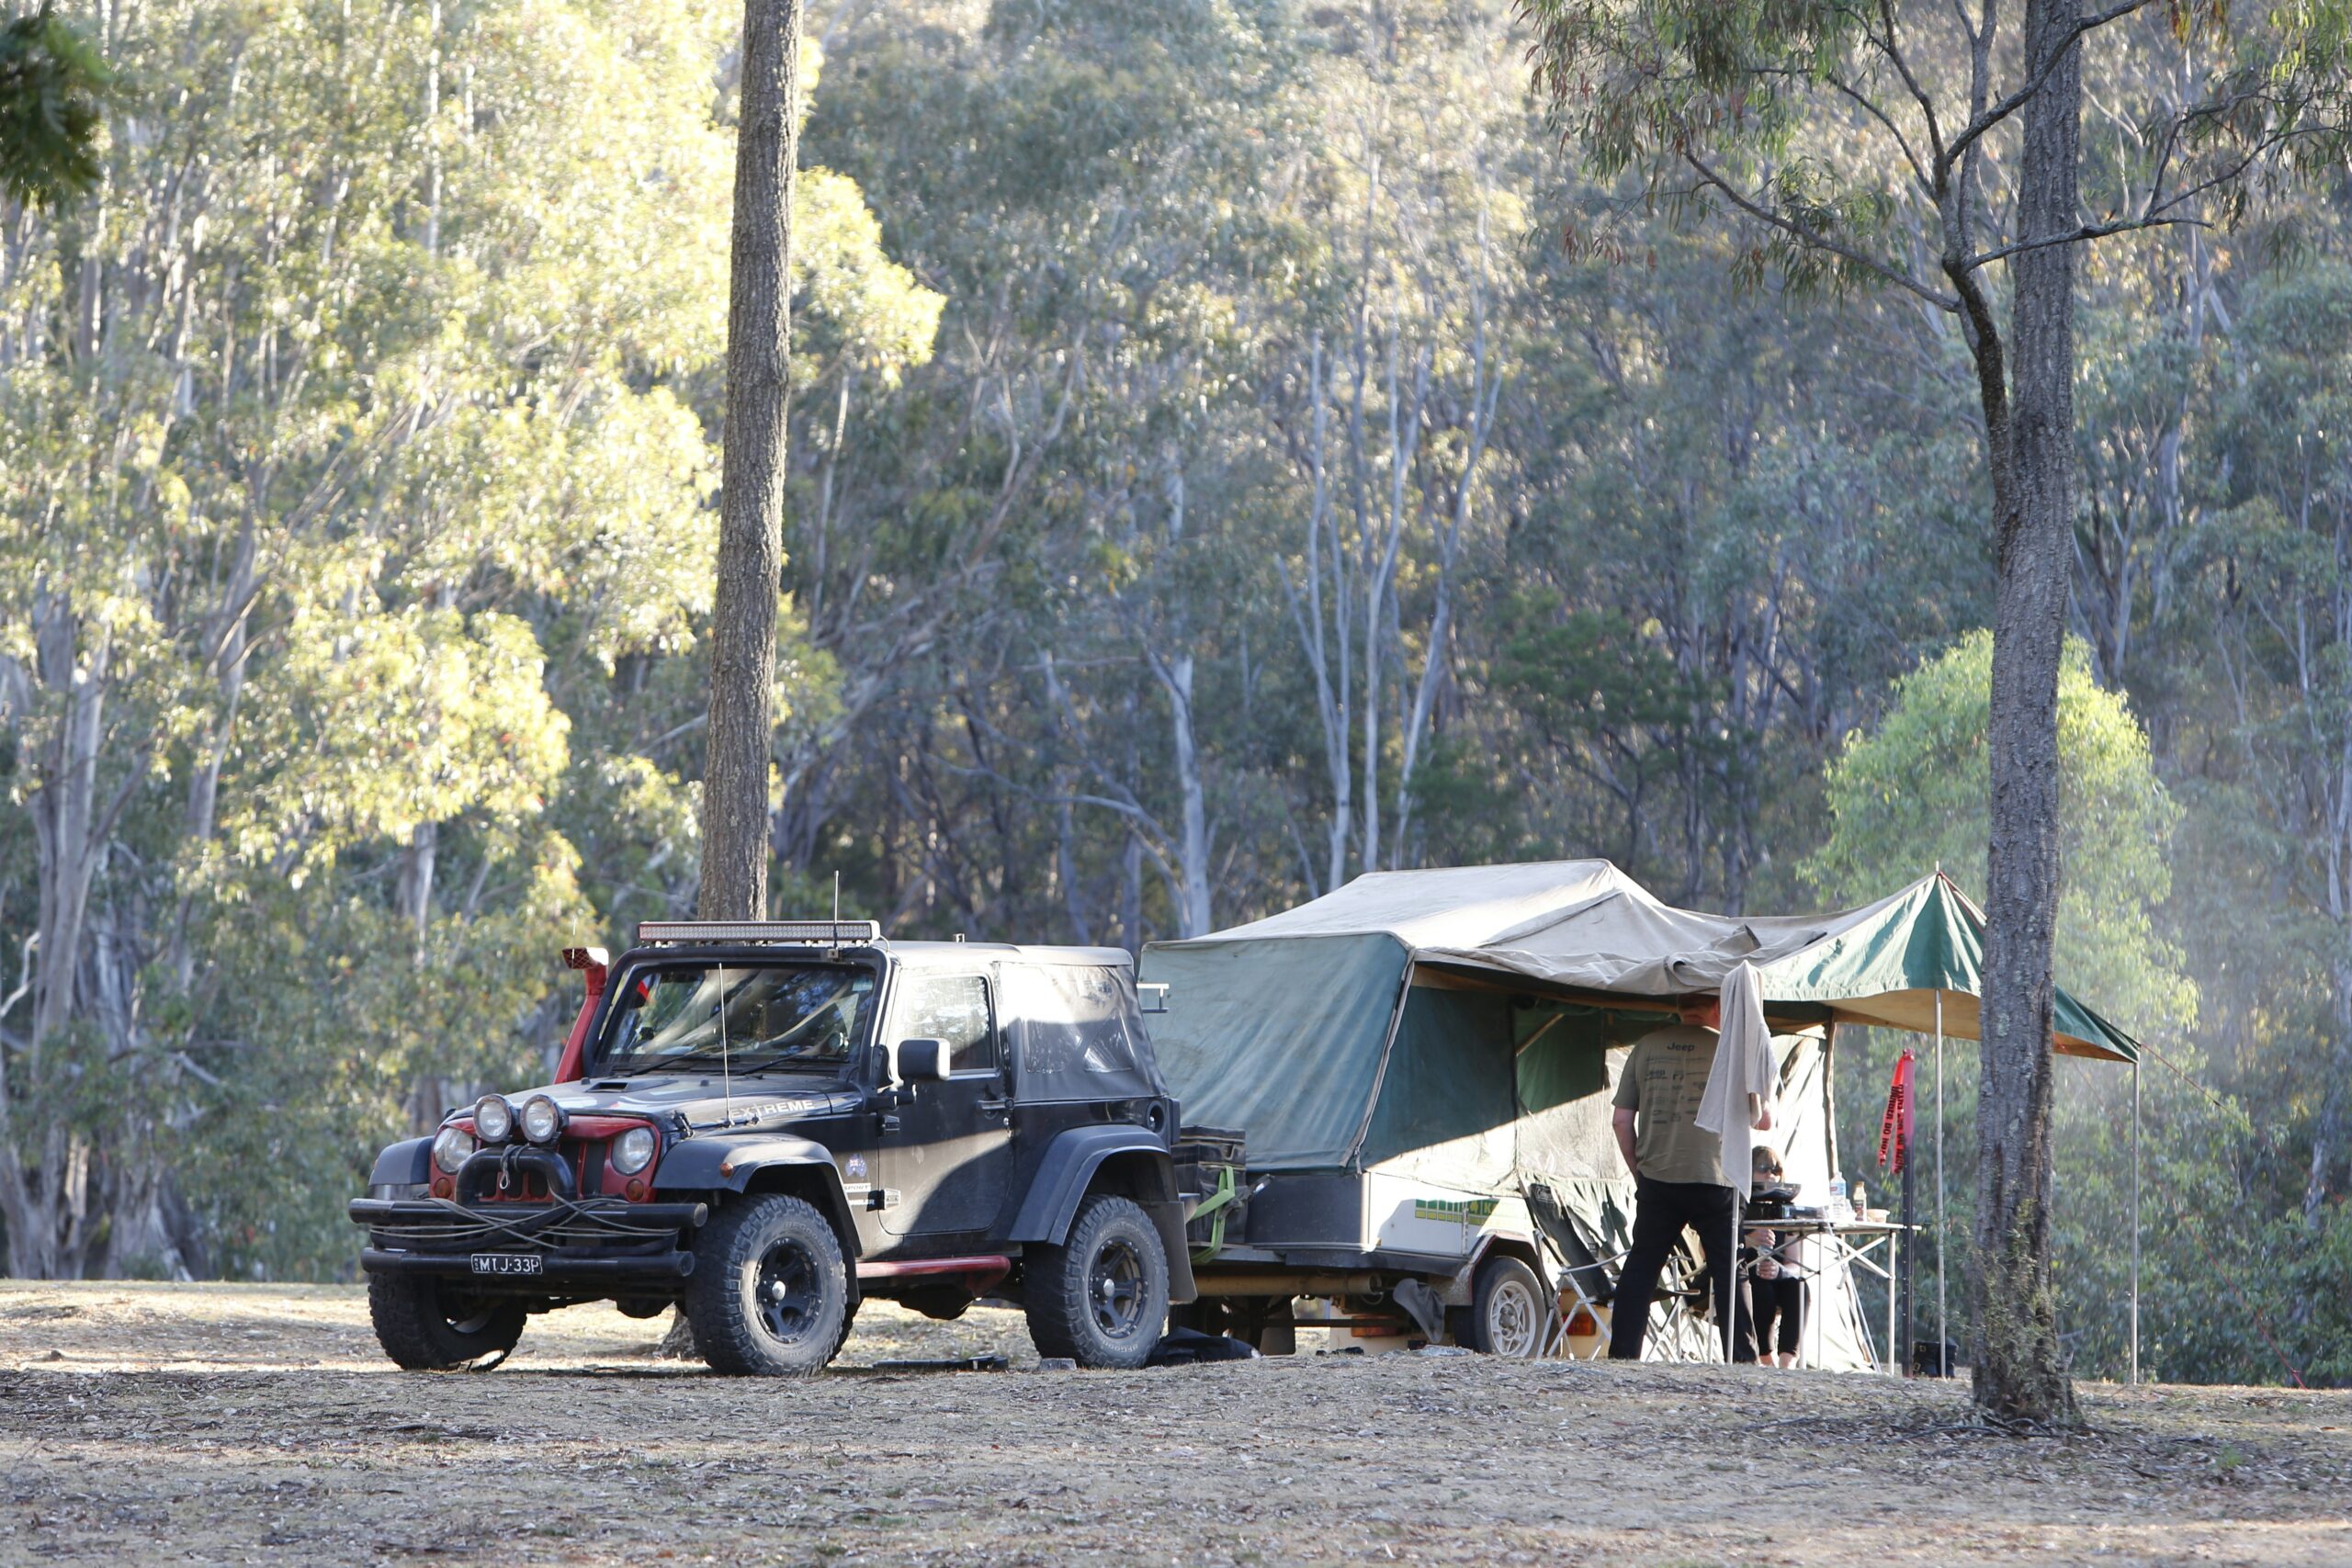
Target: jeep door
{"x":951,"y":1159}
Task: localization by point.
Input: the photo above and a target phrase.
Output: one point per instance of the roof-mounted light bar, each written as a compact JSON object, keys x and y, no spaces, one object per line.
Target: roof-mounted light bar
{"x":820,"y":933}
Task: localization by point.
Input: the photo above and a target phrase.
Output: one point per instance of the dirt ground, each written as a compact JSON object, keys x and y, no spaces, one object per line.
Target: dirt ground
{"x":257,"y":1423}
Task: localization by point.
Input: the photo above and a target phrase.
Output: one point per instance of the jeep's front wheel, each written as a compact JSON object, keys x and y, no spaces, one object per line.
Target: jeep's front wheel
{"x":1101,"y":1298}
{"x":769,"y":1296}
{"x":429,"y":1326}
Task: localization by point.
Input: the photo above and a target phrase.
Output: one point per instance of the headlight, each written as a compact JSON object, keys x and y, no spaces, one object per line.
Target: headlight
{"x":450,"y":1149}
{"x":493,"y":1119}
{"x":633,"y":1150}
{"x":542,"y":1119}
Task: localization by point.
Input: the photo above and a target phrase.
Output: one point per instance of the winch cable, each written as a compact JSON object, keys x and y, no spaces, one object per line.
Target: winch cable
{"x":524,"y":1226}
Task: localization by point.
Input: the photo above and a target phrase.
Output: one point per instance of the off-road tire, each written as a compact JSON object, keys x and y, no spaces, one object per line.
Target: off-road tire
{"x":1101,"y":1298}
{"x":756,"y":1245}
{"x":413,"y":1314}
{"x":849,"y":1317}
{"x":1509,"y":1314}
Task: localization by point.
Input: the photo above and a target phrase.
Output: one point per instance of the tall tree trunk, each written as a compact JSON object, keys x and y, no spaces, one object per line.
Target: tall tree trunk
{"x":412,"y":888}
{"x":750,"y":500}
{"x":1193,"y":917}
{"x":2335,"y":1100}
{"x":44,"y":1194}
{"x":750,"y":530}
{"x":2020,"y":1365}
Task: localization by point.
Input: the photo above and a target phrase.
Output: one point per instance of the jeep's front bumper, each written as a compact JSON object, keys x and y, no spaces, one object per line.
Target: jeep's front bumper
{"x":599,"y":1242}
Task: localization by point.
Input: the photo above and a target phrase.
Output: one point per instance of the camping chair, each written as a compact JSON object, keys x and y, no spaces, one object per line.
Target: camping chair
{"x":1582,"y":1274}
{"x":1685,"y":1327}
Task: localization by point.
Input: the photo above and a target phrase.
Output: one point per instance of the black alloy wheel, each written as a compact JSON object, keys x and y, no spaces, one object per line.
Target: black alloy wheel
{"x":787,"y":1291}
{"x":1100,"y":1298}
{"x":1115,"y":1290}
{"x":769,"y":1296}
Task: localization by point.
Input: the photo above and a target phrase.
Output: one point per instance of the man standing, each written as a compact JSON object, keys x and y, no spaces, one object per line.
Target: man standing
{"x":1677,"y":1172}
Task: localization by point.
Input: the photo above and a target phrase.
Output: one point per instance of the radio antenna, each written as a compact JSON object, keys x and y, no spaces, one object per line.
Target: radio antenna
{"x":726,"y":1074}
{"x":837,"y":895}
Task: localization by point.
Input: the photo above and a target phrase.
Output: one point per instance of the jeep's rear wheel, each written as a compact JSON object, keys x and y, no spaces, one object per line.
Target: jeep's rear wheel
{"x":769,"y":1296}
{"x":1101,"y":1298}
{"x":427,"y":1325}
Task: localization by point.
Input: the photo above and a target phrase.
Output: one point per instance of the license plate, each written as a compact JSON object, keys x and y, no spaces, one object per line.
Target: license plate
{"x":506,"y":1263}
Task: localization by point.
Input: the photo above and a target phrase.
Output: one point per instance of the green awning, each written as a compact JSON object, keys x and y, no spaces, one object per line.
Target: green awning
{"x":1884,"y":964}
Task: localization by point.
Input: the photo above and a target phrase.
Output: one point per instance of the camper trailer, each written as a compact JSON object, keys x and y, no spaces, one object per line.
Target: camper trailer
{"x":1397,"y":1095}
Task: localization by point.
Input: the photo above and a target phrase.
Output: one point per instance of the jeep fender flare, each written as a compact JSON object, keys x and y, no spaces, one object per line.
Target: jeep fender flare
{"x":1067,"y":1171}
{"x":739,"y":1165}
{"x":408,"y":1163}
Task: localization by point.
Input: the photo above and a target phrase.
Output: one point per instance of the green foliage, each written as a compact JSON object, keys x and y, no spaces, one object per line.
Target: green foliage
{"x":1913,"y":792}
{"x":374,"y":507}
{"x":54,"y":91}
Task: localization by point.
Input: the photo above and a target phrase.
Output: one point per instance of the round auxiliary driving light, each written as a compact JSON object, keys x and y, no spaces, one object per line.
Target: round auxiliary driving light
{"x":633,"y":1150}
{"x":493,"y":1119}
{"x":542,"y":1119}
{"x":450,"y":1149}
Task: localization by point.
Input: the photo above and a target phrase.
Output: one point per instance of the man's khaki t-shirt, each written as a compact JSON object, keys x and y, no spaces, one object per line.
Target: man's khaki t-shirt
{"x":1665,"y":1077}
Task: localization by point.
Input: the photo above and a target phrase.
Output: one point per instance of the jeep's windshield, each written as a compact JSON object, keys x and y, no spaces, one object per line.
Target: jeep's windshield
{"x":764,"y":1015}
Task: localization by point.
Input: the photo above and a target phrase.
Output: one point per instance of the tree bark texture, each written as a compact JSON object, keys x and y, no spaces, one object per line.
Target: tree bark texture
{"x":2020,"y":1365}
{"x":59,"y":702}
{"x":751,"y":532}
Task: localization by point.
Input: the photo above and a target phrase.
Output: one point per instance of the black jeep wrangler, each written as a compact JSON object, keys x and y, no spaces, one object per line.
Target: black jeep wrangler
{"x":767,"y":1121}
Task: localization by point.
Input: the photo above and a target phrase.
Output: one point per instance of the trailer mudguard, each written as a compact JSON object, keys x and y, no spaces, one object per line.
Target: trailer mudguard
{"x":408,"y":1163}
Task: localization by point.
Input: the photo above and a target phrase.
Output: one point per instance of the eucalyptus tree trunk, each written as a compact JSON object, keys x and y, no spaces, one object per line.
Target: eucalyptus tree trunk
{"x":2020,"y":1365}
{"x":750,"y":530}
{"x":1193,"y":917}
{"x":58,"y":698}
{"x":751,"y":498}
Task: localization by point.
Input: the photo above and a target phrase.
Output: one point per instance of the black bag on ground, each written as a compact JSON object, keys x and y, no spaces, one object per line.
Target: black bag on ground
{"x":1925,"y":1363}
{"x":1190,"y":1347}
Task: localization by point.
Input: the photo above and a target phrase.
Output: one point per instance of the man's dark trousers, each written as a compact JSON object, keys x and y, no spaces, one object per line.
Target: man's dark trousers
{"x":1660,"y":1211}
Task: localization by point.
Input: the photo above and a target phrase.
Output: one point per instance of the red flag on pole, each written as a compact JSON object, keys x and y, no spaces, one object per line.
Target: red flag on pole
{"x":1894,"y":1127}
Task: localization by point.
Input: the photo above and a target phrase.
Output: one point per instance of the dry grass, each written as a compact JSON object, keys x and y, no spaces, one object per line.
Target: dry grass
{"x":241,"y":1424}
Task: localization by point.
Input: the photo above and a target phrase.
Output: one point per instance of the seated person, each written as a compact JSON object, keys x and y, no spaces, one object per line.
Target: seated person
{"x":1775,"y":1318}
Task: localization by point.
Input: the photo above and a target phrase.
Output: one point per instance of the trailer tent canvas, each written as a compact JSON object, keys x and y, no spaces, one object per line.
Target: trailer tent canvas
{"x":1408,"y":1053}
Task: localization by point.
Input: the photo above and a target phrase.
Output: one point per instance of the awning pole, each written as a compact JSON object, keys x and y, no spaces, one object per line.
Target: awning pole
{"x":1943,"y":1331}
{"x":2135,"y":1222}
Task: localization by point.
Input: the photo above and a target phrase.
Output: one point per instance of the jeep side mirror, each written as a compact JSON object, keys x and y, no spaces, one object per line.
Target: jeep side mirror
{"x":922,"y":1061}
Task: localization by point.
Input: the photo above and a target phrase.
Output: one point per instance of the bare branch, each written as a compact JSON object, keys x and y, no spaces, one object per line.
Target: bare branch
{"x":1806,"y":236}
{"x":2087,"y":231}
{"x":2159,"y":214}
{"x":1869,"y":107}
{"x":2023,"y":95}
{"x":1919,"y":94}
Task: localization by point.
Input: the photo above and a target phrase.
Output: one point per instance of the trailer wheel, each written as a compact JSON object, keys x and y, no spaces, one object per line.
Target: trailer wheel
{"x":1101,"y":1298}
{"x":1507,"y":1314}
{"x":769,"y":1296}
{"x":427,"y":1327}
